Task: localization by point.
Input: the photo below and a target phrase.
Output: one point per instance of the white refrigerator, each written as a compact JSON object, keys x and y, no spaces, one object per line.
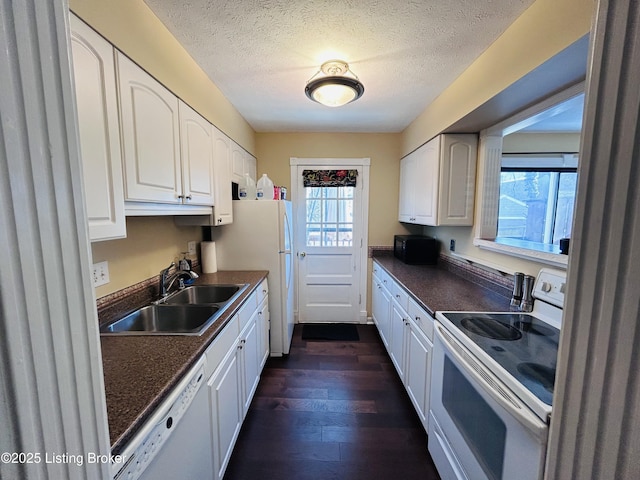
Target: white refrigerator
{"x":260,"y":238}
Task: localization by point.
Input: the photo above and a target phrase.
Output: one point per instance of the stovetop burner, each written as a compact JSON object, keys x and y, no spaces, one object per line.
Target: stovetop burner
{"x":490,"y":328}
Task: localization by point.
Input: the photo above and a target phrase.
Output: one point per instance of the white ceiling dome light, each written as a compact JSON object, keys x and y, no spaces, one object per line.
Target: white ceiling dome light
{"x":335,"y":88}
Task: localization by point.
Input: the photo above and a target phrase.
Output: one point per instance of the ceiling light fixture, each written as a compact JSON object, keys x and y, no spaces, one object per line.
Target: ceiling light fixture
{"x":334,"y":89}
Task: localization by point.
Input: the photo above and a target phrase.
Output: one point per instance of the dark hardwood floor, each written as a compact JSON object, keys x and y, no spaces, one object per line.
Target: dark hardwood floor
{"x":332,"y":410}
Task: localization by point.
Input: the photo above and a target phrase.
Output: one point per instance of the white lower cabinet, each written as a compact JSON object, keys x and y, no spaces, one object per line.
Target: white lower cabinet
{"x":226,"y":410}
{"x":398,"y":338}
{"x":418,"y":371}
{"x":234,"y":364}
{"x":381,"y":303}
{"x":407,"y":331}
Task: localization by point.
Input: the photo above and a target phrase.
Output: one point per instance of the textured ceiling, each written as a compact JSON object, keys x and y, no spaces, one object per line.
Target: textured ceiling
{"x":261,"y":53}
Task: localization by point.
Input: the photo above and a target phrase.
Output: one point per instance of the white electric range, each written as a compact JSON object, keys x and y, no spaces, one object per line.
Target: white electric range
{"x":492,"y":384}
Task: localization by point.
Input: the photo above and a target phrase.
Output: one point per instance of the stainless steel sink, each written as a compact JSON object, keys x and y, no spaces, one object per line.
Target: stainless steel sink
{"x":206,"y":294}
{"x":165,"y":320}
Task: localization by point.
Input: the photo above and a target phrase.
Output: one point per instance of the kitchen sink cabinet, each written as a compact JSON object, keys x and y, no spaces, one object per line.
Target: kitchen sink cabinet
{"x":99,"y":130}
{"x":234,"y":362}
{"x":437,"y":182}
{"x":408,"y":336}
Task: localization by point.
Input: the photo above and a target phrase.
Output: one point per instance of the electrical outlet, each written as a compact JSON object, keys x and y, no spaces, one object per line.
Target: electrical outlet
{"x":100,"y":274}
{"x":452,"y":245}
{"x":191,"y":246}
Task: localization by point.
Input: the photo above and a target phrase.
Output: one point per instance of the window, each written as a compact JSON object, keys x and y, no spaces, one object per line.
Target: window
{"x":526,"y":200}
{"x":536,"y":202}
{"x":329,"y":216}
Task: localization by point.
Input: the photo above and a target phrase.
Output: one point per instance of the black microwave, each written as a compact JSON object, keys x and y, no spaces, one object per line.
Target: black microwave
{"x":416,"y":249}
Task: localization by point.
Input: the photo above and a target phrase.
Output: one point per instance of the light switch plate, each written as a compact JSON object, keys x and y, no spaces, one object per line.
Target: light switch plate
{"x":191,"y":246}
{"x":100,"y":274}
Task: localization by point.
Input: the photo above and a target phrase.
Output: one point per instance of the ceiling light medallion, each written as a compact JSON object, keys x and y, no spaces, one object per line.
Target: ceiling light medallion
{"x":334,"y":89}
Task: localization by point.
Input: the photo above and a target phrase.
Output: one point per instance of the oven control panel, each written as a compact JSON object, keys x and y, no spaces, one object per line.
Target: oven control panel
{"x":550,"y":286}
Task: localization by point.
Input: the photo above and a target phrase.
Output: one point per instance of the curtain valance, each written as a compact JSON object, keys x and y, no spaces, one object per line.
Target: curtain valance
{"x":329,"y":178}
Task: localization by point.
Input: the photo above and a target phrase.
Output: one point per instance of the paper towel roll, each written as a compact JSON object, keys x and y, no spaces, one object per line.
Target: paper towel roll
{"x":209,"y":261}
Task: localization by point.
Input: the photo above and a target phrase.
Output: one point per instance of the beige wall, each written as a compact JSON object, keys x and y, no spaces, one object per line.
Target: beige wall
{"x":542,"y":31}
{"x":541,"y":143}
{"x":152,"y":243}
{"x":133,"y":28}
{"x":275,"y":149}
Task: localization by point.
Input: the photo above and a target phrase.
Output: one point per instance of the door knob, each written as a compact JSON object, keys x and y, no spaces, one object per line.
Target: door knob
{"x":303,"y":254}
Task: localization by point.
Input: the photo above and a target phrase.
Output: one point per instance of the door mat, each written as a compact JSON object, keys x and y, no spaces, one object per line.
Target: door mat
{"x":330,"y":331}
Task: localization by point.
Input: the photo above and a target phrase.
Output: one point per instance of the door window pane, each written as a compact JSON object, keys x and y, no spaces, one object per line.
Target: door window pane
{"x":329,"y":216}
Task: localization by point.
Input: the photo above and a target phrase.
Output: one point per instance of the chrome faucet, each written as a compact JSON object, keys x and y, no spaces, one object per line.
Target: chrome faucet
{"x":167,"y":281}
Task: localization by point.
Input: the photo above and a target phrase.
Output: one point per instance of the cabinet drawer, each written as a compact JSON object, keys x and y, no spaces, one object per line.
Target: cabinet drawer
{"x":422,"y":319}
{"x":400,"y":295}
{"x":384,"y":277}
{"x":225,"y":340}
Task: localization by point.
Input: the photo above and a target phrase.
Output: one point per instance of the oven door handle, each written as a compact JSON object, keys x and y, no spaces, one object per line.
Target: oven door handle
{"x":492,"y":385}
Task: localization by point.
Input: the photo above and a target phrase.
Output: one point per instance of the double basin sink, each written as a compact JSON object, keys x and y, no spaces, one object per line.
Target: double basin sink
{"x":189,"y":311}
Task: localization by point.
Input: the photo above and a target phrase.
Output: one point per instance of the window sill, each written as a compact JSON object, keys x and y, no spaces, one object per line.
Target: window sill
{"x":554,"y":259}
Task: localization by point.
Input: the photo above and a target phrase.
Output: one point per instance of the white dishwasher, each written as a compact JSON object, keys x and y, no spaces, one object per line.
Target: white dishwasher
{"x":176,"y":441}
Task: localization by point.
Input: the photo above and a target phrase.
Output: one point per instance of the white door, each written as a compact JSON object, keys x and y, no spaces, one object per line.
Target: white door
{"x":330,"y":240}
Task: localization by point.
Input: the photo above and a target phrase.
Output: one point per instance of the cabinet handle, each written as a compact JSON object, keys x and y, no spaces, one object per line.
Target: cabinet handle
{"x":417,"y":319}
{"x":397,"y":296}
{"x":180,"y":197}
{"x":220,"y":220}
{"x":188,"y":197}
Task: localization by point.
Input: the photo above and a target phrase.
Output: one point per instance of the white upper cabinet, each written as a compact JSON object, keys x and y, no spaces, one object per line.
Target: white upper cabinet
{"x":196,"y":144}
{"x":96,"y":101}
{"x":242,"y":162}
{"x":437,"y":182}
{"x":151,"y":136}
{"x":222,"y":168}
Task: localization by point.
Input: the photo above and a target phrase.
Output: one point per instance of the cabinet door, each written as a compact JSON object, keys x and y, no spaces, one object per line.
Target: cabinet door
{"x":150,"y":126}
{"x":426,"y":180}
{"x":397,"y":338}
{"x":237,"y":162}
{"x":250,"y":165}
{"x":407,"y":188}
{"x":196,"y":146}
{"x":263,"y":327}
{"x":98,"y":124}
{"x":249,"y":348}
{"x":226,"y":410}
{"x":380,"y":309}
{"x":457,"y":185}
{"x":223,"y":211}
{"x":418,"y":371}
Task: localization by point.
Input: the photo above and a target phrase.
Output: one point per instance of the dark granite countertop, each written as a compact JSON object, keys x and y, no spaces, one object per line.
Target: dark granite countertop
{"x":139,"y":371}
{"x":438,"y":289}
